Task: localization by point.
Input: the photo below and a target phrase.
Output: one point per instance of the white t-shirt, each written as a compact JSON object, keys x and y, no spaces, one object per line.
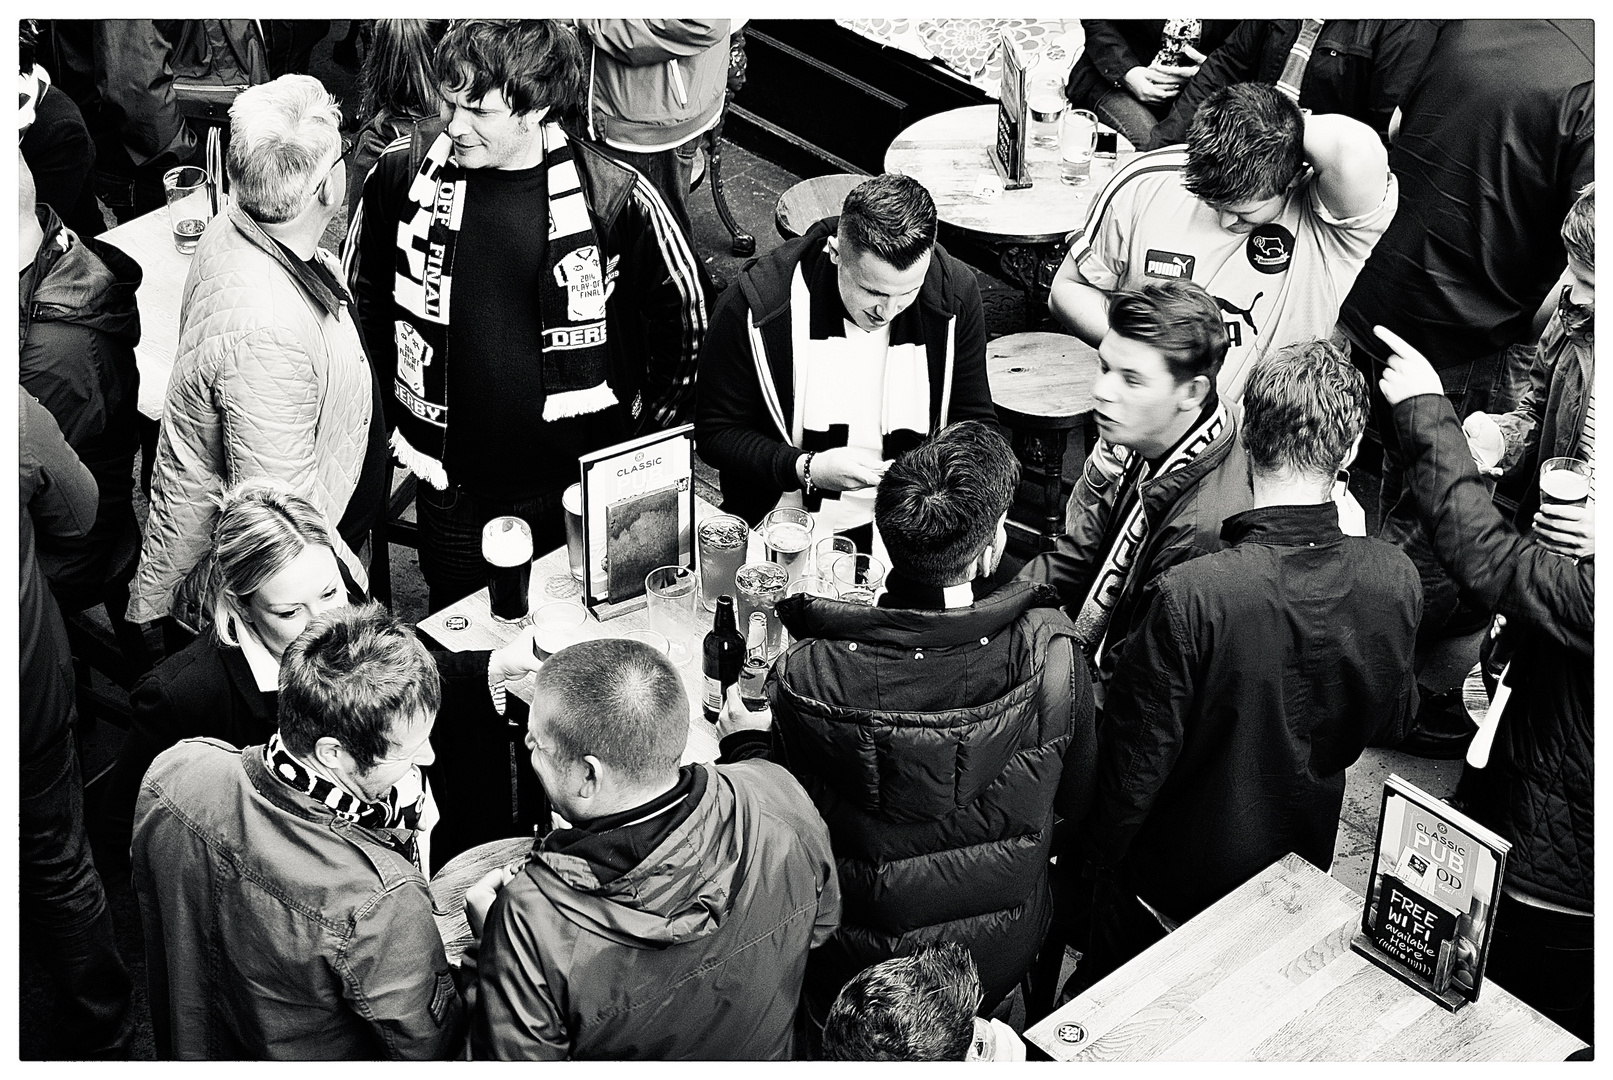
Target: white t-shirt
{"x":1279,"y":284}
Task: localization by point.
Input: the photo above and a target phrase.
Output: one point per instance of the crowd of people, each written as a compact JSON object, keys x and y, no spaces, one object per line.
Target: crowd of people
{"x":945,"y":790}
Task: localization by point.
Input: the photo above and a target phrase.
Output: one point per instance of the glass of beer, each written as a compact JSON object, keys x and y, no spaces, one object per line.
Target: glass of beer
{"x":787,"y":538}
{"x":557,"y":626}
{"x":669,"y":595}
{"x":507,"y":550}
{"x":1565,"y":481}
{"x":722,"y":539}
{"x":759,"y":586}
{"x":569,"y":584}
{"x":1078,"y":140}
{"x":858,"y":577}
{"x":190,"y":204}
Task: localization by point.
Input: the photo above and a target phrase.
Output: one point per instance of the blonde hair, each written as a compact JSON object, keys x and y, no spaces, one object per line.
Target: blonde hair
{"x":1579,"y":227}
{"x":262,"y":526}
{"x":285,"y":135}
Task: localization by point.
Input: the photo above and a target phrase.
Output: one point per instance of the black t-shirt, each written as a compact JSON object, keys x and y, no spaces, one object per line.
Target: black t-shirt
{"x":498,"y":444}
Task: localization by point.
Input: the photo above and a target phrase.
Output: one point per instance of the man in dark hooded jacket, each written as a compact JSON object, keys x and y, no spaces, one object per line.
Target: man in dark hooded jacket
{"x":78,"y":329}
{"x":937,"y":732}
{"x":669,"y":913}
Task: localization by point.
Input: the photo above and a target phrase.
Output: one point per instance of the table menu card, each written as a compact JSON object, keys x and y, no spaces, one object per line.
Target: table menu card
{"x":1013,"y":119}
{"x":638,"y":514}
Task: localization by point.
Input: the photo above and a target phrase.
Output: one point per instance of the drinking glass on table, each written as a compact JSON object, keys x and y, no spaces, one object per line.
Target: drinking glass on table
{"x":814,"y":585}
{"x":507,"y":550}
{"x":557,"y":626}
{"x":654,"y":640}
{"x":787,"y":538}
{"x":568,"y":584}
{"x":721,"y":540}
{"x":190,"y":204}
{"x":1078,"y":139}
{"x":858,"y":577}
{"x":669,"y":593}
{"x":827,"y":550}
{"x":759,"y":586}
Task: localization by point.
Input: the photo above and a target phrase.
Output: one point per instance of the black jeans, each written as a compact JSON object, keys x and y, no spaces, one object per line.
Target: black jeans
{"x":451,"y":536}
{"x":1546,"y":960}
{"x":64,"y":905}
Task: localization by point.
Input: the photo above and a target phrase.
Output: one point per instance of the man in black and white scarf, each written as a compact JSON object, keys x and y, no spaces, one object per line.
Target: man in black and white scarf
{"x":525,"y":298}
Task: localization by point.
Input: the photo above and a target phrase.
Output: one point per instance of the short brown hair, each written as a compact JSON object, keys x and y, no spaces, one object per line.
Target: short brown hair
{"x":619,"y":700}
{"x":1579,"y":227}
{"x":1303,"y":408}
{"x":1179,"y":319}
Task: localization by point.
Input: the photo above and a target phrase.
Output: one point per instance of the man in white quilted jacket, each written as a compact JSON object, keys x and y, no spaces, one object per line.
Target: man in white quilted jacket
{"x":270,"y":376}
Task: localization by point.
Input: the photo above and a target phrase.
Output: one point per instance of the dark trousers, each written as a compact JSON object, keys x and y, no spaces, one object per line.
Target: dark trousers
{"x":1546,"y":959}
{"x":63,"y":904}
{"x":1117,"y":108}
{"x":671,"y":171}
{"x":1121,"y":928}
{"x":451,"y":536}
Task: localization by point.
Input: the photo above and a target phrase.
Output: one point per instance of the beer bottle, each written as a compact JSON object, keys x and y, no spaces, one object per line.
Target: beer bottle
{"x":724,"y":656}
{"x":754,"y":677}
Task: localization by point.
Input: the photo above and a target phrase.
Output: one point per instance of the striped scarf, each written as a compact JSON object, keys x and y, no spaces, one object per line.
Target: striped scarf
{"x":1092,"y":623}
{"x":384,"y":814}
{"x":573,"y":285}
{"x":1299,"y":58}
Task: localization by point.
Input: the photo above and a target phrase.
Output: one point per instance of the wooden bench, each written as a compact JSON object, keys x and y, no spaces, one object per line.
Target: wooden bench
{"x":1041,"y":384}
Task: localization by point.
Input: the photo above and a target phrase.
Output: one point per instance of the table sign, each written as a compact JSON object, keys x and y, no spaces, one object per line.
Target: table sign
{"x":637,"y":514}
{"x":1013,"y":126}
{"x":1431,"y":894}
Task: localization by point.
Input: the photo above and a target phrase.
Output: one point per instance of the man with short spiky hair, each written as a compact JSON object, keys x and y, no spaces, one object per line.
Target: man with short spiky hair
{"x":983,"y":707}
{"x":280,"y":886}
{"x":669,"y":913}
{"x":526,"y":298}
{"x":837,"y":351}
{"x":1271,"y":210}
{"x":1257,"y":676}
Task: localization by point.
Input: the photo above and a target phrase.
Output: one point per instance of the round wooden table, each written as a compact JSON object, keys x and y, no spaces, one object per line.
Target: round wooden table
{"x":810,"y":201}
{"x":949,"y":151}
{"x":449,"y":885}
{"x":1041,"y":385}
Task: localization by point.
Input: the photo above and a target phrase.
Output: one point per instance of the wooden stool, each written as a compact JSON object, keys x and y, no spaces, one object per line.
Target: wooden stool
{"x":811,"y":201}
{"x":1041,"y":385}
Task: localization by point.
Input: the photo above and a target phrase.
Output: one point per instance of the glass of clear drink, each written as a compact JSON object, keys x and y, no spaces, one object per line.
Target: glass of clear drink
{"x":1045,"y":102}
{"x":670,"y":593}
{"x":653,"y":639}
{"x":507,"y":551}
{"x":814,"y":585}
{"x":787,"y":539}
{"x":1078,"y":139}
{"x":721,"y":540}
{"x":828,"y":550}
{"x":759,"y":586}
{"x":858,"y":577}
{"x":190,"y":204}
{"x":570,"y":583}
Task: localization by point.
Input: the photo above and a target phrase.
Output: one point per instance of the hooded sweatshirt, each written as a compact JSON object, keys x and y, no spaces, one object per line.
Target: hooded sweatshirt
{"x":697,"y":952}
{"x":78,"y":327}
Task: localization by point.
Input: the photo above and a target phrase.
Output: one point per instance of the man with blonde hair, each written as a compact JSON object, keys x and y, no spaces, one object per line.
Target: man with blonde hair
{"x":270,"y":377}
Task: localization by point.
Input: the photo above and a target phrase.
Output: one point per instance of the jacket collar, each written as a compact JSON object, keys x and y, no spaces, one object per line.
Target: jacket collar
{"x":902,"y":593}
{"x":815,"y":617}
{"x":300,"y":273}
{"x":1165,"y":490}
{"x":240,"y":673}
{"x":1284,"y":526}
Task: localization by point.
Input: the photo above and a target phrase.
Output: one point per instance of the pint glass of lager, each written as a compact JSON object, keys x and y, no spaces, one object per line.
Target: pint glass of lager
{"x":507,"y":550}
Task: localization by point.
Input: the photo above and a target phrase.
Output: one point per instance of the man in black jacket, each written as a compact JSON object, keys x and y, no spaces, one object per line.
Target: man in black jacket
{"x":937,"y":732}
{"x":897,"y":350}
{"x":1537,"y":790}
{"x":524,"y":298}
{"x":1257,"y":676}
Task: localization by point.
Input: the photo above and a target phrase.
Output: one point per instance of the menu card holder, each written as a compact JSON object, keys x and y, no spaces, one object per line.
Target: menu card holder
{"x":637,"y":514}
{"x":1431,"y":895}
{"x":1008,"y":155}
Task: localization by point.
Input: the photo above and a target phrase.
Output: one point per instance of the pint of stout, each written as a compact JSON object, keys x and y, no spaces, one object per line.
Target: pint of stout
{"x":507,"y":550}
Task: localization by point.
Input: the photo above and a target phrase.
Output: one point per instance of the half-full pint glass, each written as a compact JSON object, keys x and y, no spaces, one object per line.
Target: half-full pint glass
{"x":507,"y":550}
{"x":571,"y":501}
{"x":721,"y":540}
{"x":1565,"y":481}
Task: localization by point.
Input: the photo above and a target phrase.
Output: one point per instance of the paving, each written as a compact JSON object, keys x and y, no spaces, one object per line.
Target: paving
{"x":753,"y":186}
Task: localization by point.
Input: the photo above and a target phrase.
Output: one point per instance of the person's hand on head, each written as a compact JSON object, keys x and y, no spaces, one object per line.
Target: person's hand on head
{"x":1567,"y":530}
{"x":735,"y":717}
{"x":847,"y":468}
{"x":512,"y":662}
{"x":480,"y":896}
{"x":1409,"y":373}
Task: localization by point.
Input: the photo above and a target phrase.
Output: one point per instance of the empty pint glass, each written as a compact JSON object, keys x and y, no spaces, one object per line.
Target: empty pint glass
{"x":507,"y":550}
{"x":571,"y":502}
{"x":787,"y":537}
{"x":721,"y":539}
{"x":190,"y":204}
{"x":759,"y":587}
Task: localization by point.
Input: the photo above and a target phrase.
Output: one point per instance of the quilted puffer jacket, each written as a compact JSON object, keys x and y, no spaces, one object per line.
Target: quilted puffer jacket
{"x":270,"y":379}
{"x":934,"y":743}
{"x":1537,"y":790}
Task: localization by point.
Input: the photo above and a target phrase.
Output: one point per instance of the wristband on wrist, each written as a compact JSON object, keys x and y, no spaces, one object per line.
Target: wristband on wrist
{"x":806,"y":472}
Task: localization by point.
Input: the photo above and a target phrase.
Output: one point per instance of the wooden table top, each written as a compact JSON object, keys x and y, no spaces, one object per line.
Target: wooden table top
{"x":1041,"y":379}
{"x":949,"y":151}
{"x":149,"y":241}
{"x":449,"y":885}
{"x":810,"y":201}
{"x":1267,"y":974}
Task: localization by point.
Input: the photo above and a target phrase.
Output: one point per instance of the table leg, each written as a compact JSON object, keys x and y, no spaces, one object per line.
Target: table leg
{"x":1042,"y":455}
{"x":1031,"y":267}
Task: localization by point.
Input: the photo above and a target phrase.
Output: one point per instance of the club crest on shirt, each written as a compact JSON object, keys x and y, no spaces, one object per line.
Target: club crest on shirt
{"x":1270,"y":248}
{"x":1168,"y":264}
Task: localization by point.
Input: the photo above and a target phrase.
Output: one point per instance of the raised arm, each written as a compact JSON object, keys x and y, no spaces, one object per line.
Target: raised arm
{"x":1352,"y":166}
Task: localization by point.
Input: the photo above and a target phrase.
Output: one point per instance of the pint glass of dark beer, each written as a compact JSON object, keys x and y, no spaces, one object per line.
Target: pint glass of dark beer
{"x":507,"y":550}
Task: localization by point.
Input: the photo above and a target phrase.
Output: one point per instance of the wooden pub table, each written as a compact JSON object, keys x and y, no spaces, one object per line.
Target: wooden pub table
{"x":950,"y":151}
{"x":1267,"y":974}
{"x":149,"y":241}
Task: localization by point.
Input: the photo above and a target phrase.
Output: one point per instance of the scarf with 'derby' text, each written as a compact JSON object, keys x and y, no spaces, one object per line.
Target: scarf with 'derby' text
{"x":1092,"y":622}
{"x":572,"y":291}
